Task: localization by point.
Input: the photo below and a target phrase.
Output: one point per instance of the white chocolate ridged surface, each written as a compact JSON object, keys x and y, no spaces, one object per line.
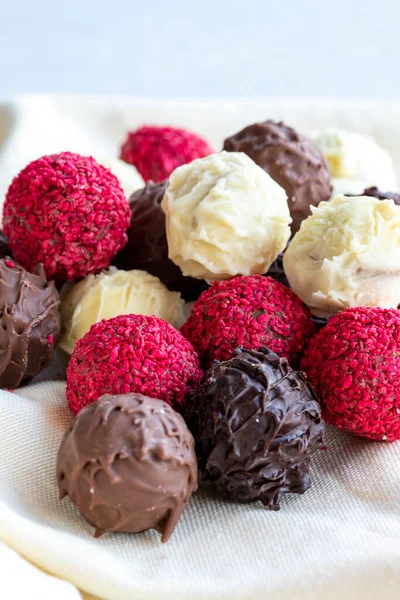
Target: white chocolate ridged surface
{"x":113,"y":293}
{"x":225,"y":216}
{"x":347,"y":253}
{"x":352,"y":155}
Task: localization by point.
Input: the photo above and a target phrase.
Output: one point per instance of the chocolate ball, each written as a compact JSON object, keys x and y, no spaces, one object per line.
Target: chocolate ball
{"x":376,"y":193}
{"x":30,"y":322}
{"x":128,"y":464}
{"x":256,"y":423}
{"x":4,"y":249}
{"x":277,"y":272}
{"x":291,"y":159}
{"x":147,"y":247}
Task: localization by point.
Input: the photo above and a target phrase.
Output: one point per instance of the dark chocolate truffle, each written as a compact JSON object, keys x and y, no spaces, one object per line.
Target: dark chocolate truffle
{"x":376,"y":193}
{"x":128,"y":464}
{"x":147,"y":247}
{"x":4,"y":249}
{"x":30,"y":322}
{"x":291,"y":159}
{"x":256,"y":423}
{"x":277,"y":272}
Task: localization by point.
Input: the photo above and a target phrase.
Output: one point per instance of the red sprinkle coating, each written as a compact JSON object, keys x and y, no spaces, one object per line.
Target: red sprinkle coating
{"x":68,"y":212}
{"x":354,"y":364}
{"x":251,"y":312}
{"x":157,"y":151}
{"x":132,"y":353}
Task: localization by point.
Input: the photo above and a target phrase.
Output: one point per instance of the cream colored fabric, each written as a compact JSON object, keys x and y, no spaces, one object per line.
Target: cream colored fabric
{"x":340,"y":540}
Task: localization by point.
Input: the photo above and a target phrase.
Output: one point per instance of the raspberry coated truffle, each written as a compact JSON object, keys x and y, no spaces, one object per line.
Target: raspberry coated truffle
{"x":132,"y":353}
{"x":249,"y":311}
{"x":291,"y":159}
{"x":256,"y":423}
{"x":128,"y":464}
{"x":67,"y":212}
{"x":156,"y":151}
{"x":29,"y":322}
{"x":354,"y":364}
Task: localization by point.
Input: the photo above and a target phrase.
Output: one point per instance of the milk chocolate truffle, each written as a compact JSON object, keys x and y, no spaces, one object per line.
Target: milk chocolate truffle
{"x":256,"y":423}
{"x":147,"y":247}
{"x":291,"y":159}
{"x":30,"y":322}
{"x":128,"y":464}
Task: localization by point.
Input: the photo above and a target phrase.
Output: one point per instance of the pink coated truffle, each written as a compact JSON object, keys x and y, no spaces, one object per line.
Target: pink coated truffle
{"x":354,"y":364}
{"x":251,"y":311}
{"x":67,"y":212}
{"x":132,"y":353}
{"x":157,"y":151}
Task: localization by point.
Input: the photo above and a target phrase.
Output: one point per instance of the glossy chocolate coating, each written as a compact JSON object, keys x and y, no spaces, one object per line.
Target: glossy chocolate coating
{"x":147,"y":247}
{"x":291,"y":159}
{"x":277,"y":272}
{"x":256,"y":423}
{"x":30,"y":322}
{"x":128,"y":464}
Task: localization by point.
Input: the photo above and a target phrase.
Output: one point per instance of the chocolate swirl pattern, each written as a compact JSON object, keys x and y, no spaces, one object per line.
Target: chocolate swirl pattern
{"x":30,"y":322}
{"x":256,"y":423}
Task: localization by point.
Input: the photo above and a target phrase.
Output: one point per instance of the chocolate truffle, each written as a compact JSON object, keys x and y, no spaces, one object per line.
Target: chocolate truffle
{"x":30,"y":322}
{"x":128,"y":464}
{"x":256,"y":423}
{"x":291,"y":159}
{"x":147,"y":247}
{"x":4,"y":249}
{"x":376,"y":193}
{"x":277,"y":272}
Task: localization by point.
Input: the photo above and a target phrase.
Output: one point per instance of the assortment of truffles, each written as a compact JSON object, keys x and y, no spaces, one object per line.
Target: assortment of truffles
{"x":128,"y":464}
{"x":214,"y":228}
{"x":292,"y":160}
{"x":256,"y":423}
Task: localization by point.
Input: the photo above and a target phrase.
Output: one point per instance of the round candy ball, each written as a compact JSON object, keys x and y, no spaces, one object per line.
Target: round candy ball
{"x":156,"y":151}
{"x":128,"y":464}
{"x":256,"y":423}
{"x":68,"y":212}
{"x":251,"y":312}
{"x":30,"y":322}
{"x":147,"y":247}
{"x":132,"y":353}
{"x":225,"y":217}
{"x":347,"y":254}
{"x":291,"y":159}
{"x":354,"y":364}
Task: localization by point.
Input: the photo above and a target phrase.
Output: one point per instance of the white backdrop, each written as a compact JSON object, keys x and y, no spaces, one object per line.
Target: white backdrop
{"x":179,"y":48}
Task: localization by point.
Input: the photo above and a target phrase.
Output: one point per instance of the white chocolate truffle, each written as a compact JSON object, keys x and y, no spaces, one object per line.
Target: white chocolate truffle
{"x":128,"y":176}
{"x":225,"y":216}
{"x":347,"y":253}
{"x":352,"y":155}
{"x":113,"y":293}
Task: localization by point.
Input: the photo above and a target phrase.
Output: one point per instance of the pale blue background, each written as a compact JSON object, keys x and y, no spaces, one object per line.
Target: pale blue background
{"x":210,"y":48}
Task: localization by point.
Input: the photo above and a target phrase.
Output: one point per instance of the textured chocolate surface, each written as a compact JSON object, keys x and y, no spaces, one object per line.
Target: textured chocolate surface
{"x":147,"y":247}
{"x":376,"y":193}
{"x":4,"y":249}
{"x":30,"y":322}
{"x":291,"y":159}
{"x":256,"y":423}
{"x":128,"y":464}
